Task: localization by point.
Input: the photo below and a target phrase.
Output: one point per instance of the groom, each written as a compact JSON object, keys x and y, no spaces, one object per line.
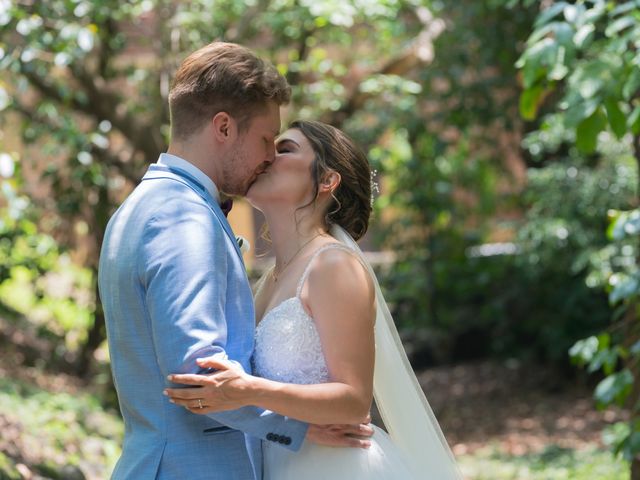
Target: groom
{"x":172,"y":280}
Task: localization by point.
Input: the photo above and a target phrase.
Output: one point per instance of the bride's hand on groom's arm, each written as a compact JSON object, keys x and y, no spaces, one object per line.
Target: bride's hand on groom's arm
{"x":356,"y":436}
{"x":228,"y":388}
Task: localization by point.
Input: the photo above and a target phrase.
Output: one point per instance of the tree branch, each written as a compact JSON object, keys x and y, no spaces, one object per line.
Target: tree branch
{"x":107,"y":32}
{"x":419,"y":52}
{"x":303,"y":51}
{"x":241,"y":31}
{"x":126,"y":169}
{"x":101,"y":105}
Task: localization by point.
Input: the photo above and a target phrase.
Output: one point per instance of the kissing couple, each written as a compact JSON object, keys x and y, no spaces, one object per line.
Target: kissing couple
{"x":214,"y":383}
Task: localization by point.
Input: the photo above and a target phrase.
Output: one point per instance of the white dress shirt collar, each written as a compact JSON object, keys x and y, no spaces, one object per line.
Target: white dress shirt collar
{"x":173,"y":161}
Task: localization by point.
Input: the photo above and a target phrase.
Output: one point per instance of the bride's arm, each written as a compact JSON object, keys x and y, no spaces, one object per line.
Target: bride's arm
{"x":340,"y":297}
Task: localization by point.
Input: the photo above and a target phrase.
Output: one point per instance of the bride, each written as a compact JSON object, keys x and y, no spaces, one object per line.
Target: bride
{"x":323,"y":325}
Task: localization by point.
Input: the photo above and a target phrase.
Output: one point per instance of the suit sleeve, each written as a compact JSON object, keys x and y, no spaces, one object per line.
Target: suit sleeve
{"x":183,"y":274}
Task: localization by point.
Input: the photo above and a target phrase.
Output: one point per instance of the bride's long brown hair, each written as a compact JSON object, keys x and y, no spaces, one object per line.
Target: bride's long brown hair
{"x":335,"y":151}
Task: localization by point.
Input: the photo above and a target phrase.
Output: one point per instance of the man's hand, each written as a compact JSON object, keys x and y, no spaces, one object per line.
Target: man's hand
{"x":355,"y":436}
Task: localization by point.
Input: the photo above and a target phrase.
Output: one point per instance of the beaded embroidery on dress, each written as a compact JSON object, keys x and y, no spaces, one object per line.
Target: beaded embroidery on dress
{"x":288,"y":346}
{"x":288,"y":349}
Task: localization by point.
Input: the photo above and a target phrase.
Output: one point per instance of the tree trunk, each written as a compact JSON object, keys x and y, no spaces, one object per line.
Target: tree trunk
{"x":636,"y":154}
{"x":632,"y":326}
{"x":635,"y":469}
{"x":95,"y":336}
{"x":98,"y":220}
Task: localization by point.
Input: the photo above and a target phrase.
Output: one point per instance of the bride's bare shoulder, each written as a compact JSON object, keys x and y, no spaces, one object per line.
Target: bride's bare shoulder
{"x":337,"y":276}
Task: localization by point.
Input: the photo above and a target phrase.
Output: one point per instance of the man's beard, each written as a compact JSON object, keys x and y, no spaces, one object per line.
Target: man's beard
{"x":236,"y":178}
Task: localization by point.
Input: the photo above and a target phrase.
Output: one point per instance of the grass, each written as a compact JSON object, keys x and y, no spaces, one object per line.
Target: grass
{"x":53,"y":433}
{"x":552,"y":463}
{"x":58,"y":431}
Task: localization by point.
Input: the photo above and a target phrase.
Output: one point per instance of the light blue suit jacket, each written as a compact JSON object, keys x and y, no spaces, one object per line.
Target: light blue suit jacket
{"x":174,"y":288}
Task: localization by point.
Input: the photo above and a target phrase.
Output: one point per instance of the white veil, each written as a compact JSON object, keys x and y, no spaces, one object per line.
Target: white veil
{"x":400,"y":399}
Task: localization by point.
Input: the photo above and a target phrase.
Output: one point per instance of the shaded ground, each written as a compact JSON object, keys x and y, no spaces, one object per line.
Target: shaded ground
{"x":519,"y":409}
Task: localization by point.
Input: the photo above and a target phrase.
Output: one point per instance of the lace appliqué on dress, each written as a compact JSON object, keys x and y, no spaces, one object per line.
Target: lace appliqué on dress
{"x":288,"y":348}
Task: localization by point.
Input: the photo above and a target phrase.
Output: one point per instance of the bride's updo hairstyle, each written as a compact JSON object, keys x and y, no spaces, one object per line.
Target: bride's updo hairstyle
{"x":335,"y":151}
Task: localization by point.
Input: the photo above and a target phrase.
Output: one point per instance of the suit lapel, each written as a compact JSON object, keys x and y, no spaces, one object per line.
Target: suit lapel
{"x":162,"y":171}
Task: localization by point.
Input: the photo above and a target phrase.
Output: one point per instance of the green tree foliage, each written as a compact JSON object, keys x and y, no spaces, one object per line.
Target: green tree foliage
{"x":448,"y":181}
{"x":582,"y":60}
{"x":89,"y":81}
{"x":21,"y":243}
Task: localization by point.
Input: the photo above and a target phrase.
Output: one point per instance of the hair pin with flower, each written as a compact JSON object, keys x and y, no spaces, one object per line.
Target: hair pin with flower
{"x":375,"y":188}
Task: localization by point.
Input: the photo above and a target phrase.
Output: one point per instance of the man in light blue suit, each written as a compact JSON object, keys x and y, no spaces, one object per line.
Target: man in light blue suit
{"x":173,"y":283}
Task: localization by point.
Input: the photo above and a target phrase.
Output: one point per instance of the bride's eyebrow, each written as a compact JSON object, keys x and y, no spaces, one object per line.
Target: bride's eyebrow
{"x":280,"y":141}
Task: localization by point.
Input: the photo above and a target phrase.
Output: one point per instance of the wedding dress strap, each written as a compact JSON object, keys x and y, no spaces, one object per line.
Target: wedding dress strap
{"x":307,"y":269}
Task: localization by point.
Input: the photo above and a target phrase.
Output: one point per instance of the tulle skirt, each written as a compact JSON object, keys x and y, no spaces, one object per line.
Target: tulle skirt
{"x":382,"y":461}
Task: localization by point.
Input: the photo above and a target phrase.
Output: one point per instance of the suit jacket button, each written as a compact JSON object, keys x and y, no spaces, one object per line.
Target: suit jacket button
{"x":287,"y":440}
{"x":270,"y":437}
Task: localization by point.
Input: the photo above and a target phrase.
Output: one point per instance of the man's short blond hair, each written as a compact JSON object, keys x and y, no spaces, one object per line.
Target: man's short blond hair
{"x":222,"y":77}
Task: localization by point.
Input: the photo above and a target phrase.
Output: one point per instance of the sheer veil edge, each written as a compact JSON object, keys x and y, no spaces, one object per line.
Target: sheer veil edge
{"x":401,"y":401}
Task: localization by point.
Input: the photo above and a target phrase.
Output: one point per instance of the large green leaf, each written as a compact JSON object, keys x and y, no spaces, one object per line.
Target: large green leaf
{"x":529,"y":102}
{"x":584,"y":35}
{"x":625,"y":8}
{"x":633,"y":122}
{"x":549,"y":13}
{"x":614,"y":388}
{"x":588,"y":130}
{"x":620,"y":24}
{"x":617,"y":119}
{"x":624,"y":224}
{"x":631,"y":446}
{"x":580,"y":110}
{"x":537,"y":60}
{"x":584,"y":350}
{"x":625,"y":288}
{"x":632,"y":85}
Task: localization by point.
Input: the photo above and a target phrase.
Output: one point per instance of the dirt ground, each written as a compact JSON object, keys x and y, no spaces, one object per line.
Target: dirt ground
{"x":519,"y":409}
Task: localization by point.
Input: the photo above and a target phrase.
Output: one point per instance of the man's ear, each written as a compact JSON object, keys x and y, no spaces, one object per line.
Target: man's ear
{"x":224,"y":127}
{"x":330,"y":182}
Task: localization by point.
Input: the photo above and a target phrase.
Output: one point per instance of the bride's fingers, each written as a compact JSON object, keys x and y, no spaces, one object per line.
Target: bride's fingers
{"x":207,"y":410}
{"x":188,"y":379}
{"x":354,"y":442}
{"x":213,"y":362}
{"x":358,"y":443}
{"x":194,"y":406}
{"x":361,"y":430}
{"x":365,"y":430}
{"x":183,"y":393}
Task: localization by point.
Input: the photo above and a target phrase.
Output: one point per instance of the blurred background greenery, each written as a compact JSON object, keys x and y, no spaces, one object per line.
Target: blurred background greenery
{"x":506,"y":137}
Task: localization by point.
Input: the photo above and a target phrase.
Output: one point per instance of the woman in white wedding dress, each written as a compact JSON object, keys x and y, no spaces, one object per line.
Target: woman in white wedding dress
{"x":325,"y":342}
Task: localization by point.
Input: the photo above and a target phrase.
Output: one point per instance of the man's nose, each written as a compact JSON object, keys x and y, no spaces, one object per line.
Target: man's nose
{"x":271,"y":155}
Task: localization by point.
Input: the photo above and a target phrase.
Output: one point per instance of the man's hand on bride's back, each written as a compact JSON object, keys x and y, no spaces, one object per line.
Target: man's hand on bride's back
{"x":225,"y":389}
{"x":342,"y":435}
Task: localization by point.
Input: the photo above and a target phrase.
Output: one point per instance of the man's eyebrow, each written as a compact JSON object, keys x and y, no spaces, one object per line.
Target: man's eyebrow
{"x":284,"y":140}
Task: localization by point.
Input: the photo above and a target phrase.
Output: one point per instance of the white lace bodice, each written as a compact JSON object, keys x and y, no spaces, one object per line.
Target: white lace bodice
{"x":287,"y":344}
